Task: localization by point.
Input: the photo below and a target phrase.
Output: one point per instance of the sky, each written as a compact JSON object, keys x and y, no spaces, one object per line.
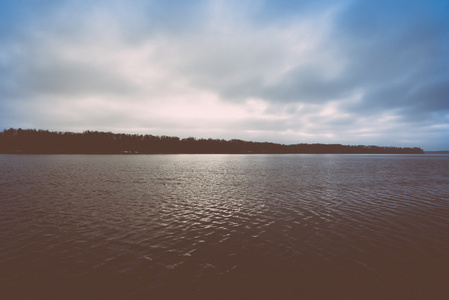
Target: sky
{"x":341,"y":71}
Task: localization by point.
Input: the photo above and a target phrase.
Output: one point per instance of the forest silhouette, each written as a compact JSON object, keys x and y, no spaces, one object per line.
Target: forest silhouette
{"x":31,"y":141}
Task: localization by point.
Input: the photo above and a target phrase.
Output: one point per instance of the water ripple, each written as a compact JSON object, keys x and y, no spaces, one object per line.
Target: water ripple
{"x":214,"y":226}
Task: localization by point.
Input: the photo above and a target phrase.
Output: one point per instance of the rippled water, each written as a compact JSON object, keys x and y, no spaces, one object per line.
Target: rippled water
{"x":224,"y":226}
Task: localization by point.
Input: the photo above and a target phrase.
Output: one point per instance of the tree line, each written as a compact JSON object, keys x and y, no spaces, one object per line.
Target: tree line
{"x":33,"y":141}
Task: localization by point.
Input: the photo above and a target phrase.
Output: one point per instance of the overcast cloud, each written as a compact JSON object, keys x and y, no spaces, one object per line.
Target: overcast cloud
{"x":351,"y":72}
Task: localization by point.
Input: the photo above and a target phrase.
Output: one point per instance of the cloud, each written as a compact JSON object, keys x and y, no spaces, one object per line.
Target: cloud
{"x":347,"y":71}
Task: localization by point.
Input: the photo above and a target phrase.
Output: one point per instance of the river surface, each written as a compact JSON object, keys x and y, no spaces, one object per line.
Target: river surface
{"x":224,"y":226}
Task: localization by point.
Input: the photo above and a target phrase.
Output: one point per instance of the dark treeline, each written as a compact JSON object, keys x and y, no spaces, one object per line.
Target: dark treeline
{"x":93,"y":142}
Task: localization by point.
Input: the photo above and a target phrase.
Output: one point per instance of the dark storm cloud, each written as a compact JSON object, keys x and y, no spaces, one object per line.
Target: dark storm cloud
{"x":397,"y":49}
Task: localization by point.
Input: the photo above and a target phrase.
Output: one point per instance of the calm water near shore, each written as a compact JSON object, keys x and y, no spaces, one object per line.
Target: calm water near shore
{"x":224,"y":226}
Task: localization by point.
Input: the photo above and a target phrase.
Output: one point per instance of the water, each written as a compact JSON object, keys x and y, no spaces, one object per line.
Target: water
{"x":224,"y":226}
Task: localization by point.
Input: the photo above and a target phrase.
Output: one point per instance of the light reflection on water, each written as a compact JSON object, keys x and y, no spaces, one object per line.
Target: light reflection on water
{"x":224,"y":226}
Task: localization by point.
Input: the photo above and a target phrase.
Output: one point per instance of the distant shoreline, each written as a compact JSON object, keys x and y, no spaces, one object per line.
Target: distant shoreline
{"x":252,"y":154}
{"x":31,"y":141}
{"x":436,"y":152}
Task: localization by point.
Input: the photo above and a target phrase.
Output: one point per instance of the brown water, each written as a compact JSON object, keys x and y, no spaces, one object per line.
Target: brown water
{"x":224,"y":226}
